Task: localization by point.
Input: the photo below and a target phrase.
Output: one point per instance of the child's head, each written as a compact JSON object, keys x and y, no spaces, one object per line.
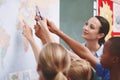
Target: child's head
{"x":54,"y":62}
{"x":111,"y":53}
{"x":80,"y":69}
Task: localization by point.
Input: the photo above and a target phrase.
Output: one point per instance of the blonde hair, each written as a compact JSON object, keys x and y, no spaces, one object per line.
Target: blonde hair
{"x":80,"y":69}
{"x":54,"y":62}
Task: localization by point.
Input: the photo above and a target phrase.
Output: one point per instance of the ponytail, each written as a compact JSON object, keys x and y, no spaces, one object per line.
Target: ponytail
{"x":60,"y":76}
{"x":101,"y":41}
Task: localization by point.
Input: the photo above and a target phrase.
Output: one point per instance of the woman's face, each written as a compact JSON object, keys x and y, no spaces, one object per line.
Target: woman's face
{"x":91,"y":29}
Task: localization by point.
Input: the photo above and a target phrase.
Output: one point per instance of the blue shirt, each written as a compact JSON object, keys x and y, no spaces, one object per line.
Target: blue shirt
{"x":98,"y":53}
{"x":102,"y":72}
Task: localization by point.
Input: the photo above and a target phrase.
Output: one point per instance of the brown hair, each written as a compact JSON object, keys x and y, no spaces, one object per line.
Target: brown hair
{"x":104,"y":28}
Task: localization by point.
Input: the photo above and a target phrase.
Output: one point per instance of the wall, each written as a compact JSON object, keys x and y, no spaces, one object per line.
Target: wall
{"x":17,"y":60}
{"x":73,"y":15}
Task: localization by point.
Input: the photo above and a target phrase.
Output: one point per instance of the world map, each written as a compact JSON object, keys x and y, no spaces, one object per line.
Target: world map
{"x":17,"y":60}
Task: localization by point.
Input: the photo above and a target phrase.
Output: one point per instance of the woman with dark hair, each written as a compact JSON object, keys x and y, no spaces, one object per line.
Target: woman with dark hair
{"x":94,"y":32}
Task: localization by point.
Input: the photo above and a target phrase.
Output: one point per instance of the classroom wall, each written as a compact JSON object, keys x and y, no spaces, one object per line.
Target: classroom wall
{"x":17,"y":60}
{"x":73,"y":15}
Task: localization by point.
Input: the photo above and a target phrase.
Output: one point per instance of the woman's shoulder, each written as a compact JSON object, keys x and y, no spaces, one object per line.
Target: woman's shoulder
{"x":99,"y":52}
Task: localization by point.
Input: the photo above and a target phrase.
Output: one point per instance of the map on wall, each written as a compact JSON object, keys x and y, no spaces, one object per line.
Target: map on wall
{"x":17,"y":61}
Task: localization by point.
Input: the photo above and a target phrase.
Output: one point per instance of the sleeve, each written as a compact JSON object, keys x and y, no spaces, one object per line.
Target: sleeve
{"x":102,"y":72}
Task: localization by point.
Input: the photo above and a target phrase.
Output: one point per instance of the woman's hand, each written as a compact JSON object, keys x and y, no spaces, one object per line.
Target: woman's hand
{"x":51,"y":26}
